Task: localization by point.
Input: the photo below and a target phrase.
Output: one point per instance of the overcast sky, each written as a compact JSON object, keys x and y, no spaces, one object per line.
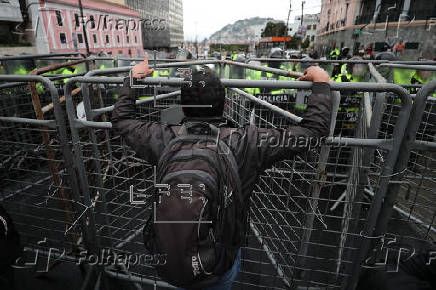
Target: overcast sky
{"x":204,"y":17}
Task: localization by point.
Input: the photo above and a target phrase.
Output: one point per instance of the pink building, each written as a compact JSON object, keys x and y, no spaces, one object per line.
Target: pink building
{"x":352,"y":23}
{"x":110,"y":27}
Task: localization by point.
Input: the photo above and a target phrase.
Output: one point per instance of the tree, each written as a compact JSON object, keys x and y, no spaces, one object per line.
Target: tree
{"x":274,"y":29}
{"x":305,"y":43}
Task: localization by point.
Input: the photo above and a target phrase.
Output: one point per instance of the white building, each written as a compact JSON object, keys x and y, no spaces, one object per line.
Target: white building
{"x":308,"y":29}
{"x":176,"y":23}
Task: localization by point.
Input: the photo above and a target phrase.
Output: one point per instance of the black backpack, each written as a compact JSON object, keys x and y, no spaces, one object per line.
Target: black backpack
{"x":198,"y":215}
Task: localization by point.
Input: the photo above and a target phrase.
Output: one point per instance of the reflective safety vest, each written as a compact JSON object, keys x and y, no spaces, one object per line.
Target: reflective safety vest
{"x":344,"y":75}
{"x":334,"y":54}
{"x":271,"y":76}
{"x":160,"y":73}
{"x":416,"y":79}
{"x":253,"y":75}
{"x":226,"y":71}
{"x":21,"y":71}
{"x":404,"y":76}
{"x":67,"y":71}
{"x":350,"y":105}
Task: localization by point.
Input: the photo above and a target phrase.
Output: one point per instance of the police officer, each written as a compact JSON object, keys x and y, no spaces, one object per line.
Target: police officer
{"x":301,"y":95}
{"x":216,"y":67}
{"x":334,"y":53}
{"x":421,"y":77}
{"x":279,"y":96}
{"x":238,"y":72}
{"x":104,"y":63}
{"x":386,"y":72}
{"x":345,"y":53}
{"x":275,"y":53}
{"x":20,"y":66}
{"x":337,"y":69}
{"x":349,"y":110}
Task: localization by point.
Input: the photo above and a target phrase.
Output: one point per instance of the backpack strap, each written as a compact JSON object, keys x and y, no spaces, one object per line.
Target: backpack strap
{"x":233,"y":167}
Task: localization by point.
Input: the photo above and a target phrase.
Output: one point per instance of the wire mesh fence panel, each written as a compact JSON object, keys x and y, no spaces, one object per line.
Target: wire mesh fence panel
{"x":414,"y":214}
{"x":297,"y":237}
{"x":413,"y":221}
{"x":34,"y":184}
{"x":282,"y":201}
{"x":120,"y":186}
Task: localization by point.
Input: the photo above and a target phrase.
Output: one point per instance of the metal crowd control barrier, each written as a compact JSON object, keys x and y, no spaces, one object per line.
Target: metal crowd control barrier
{"x":405,"y":225}
{"x":295,"y":241}
{"x":417,"y":201}
{"x":318,"y":271}
{"x":407,"y":218}
{"x":273,"y":257}
{"x":38,"y":184}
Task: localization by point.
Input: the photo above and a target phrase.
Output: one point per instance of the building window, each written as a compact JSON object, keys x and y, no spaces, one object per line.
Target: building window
{"x":59,"y":18}
{"x":312,"y":38}
{"x":80,"y":38}
{"x":136,"y":39}
{"x":76,"y":19}
{"x":314,"y":27}
{"x":104,"y":22}
{"x":127,"y":39}
{"x":308,"y":27}
{"x":94,"y":37}
{"x":107,"y":39}
{"x":62,"y":38}
{"x":118,"y":39}
{"x":92,"y":20}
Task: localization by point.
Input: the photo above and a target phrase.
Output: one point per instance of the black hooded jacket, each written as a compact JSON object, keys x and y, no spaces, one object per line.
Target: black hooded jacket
{"x":254,"y":148}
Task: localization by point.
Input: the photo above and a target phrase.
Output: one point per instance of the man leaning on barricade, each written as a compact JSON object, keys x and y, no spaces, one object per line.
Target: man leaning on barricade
{"x":206,"y":173}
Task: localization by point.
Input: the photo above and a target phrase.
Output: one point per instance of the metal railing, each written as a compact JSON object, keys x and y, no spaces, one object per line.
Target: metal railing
{"x":39,"y":187}
{"x":313,"y":217}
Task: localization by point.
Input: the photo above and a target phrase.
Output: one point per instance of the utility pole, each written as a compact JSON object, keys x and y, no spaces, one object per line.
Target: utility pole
{"x":84,"y":27}
{"x":287,"y":25}
{"x":301,"y":22}
{"x":196,"y":41}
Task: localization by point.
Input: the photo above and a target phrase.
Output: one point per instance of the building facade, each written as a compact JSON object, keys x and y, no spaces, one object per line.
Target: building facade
{"x":10,"y":16}
{"x":309,"y":27}
{"x":162,"y":22}
{"x":110,"y":27}
{"x":176,"y":23}
{"x":353,"y":23}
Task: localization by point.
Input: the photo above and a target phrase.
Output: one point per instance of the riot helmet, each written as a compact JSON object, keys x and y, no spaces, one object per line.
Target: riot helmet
{"x":386,"y":72}
{"x":345,"y":52}
{"x":277,"y":53}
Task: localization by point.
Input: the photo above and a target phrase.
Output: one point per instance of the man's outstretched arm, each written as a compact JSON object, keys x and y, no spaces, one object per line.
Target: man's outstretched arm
{"x":147,"y":139}
{"x":279,"y":144}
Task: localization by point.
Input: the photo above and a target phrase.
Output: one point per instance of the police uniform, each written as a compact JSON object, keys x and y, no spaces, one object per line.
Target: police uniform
{"x":334,"y":54}
{"x":349,"y":109}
